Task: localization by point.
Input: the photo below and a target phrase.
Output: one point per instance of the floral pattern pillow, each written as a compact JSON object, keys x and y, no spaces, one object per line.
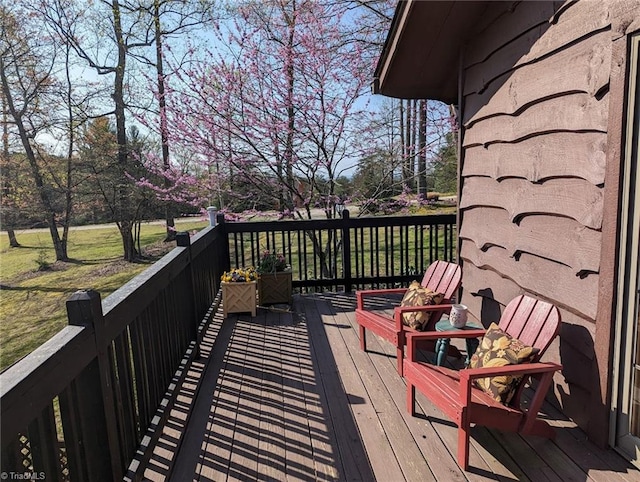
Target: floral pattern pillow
{"x":498,"y":349}
{"x":416,"y":295}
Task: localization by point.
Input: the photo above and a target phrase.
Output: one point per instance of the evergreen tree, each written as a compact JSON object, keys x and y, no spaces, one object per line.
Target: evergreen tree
{"x":445,"y":166}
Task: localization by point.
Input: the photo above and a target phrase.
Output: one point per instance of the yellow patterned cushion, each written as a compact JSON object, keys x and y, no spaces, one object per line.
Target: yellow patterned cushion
{"x":498,"y":349}
{"x":416,"y":295}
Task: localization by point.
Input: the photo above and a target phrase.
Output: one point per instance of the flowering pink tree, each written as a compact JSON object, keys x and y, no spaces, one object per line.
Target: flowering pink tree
{"x":275,"y":104}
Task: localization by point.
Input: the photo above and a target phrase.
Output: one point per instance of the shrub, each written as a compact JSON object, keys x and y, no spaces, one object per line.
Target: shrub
{"x":43,"y":264}
{"x":272,"y":262}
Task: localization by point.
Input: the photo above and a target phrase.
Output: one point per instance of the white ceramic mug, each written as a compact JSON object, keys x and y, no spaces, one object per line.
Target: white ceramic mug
{"x":458,"y":316}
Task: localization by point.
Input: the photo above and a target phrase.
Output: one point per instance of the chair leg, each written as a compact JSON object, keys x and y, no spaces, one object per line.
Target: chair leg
{"x":464,"y":426}
{"x":530,"y":423}
{"x":411,"y":399}
{"x":363,"y":339}
{"x":463,"y":446}
{"x":400,"y":360}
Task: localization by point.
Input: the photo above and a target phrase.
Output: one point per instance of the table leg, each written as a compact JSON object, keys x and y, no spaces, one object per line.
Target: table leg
{"x":442,"y":347}
{"x":472,"y":346}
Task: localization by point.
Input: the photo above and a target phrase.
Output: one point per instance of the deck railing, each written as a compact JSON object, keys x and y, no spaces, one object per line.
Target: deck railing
{"x":79,"y":406}
{"x":347,"y":253}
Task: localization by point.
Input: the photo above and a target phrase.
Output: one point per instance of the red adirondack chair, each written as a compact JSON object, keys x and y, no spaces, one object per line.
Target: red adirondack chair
{"x":441,"y":277}
{"x":535,"y":323}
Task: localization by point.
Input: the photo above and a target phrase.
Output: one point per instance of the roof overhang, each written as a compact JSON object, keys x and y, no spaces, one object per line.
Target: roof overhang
{"x":419,"y":59}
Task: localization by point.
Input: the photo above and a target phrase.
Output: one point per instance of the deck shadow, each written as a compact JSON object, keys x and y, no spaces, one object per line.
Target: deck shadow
{"x":291,"y":396}
{"x":271,"y":406}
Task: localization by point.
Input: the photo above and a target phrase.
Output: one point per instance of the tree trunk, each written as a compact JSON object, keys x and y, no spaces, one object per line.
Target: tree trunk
{"x":128,"y":244}
{"x":13,"y":241}
{"x":404,"y":154}
{"x":60,"y":245}
{"x":322,"y":253}
{"x":411,"y":133}
{"x":164,"y":132}
{"x":68,"y":197}
{"x":124,"y":215}
{"x":422,"y":150}
{"x":288,"y":154}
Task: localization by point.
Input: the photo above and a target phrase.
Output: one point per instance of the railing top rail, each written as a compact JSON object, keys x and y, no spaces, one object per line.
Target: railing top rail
{"x":123,"y":304}
{"x":38,"y":377}
{"x":308,"y":224}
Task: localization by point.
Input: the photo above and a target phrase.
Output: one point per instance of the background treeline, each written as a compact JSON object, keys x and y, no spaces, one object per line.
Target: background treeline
{"x":128,"y":110}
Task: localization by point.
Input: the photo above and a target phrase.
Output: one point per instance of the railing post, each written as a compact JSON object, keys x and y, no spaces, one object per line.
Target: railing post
{"x":213,"y":212}
{"x":93,"y":401}
{"x":225,"y":256}
{"x":346,"y":252}
{"x":183,"y":240}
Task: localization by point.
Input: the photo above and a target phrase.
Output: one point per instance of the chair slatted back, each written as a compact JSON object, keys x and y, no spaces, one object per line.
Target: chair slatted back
{"x":443,"y":277}
{"x":534,"y":322}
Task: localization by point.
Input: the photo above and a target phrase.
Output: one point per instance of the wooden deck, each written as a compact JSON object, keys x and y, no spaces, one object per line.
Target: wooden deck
{"x":290,"y":396}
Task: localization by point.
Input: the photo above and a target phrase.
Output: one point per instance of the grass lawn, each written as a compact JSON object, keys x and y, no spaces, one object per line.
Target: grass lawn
{"x":32,"y":300}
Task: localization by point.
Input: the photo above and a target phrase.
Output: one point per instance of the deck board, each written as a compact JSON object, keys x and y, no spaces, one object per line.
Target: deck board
{"x":366,"y":415}
{"x":272,"y":445}
{"x":290,"y":396}
{"x":386,"y":391}
{"x":437,"y":441}
{"x":321,"y":432}
{"x":424,"y":436}
{"x":353,"y":463}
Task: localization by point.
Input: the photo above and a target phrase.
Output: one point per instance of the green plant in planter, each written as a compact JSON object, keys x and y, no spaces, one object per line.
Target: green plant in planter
{"x":271,"y":263}
{"x":274,"y":285}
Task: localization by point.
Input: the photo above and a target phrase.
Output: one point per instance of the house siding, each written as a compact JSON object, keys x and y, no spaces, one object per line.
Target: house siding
{"x":535,"y":109}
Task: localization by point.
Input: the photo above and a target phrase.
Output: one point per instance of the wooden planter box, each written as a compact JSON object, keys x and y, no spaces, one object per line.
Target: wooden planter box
{"x":275,"y":288}
{"x":239,"y":297}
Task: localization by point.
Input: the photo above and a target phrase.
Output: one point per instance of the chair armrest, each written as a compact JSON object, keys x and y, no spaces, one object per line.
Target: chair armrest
{"x":415,"y":337}
{"x":441,"y":307}
{"x":463,"y":334}
{"x":545,"y":369}
{"x":522,"y":369}
{"x":434,"y":335}
{"x":360,"y":294}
